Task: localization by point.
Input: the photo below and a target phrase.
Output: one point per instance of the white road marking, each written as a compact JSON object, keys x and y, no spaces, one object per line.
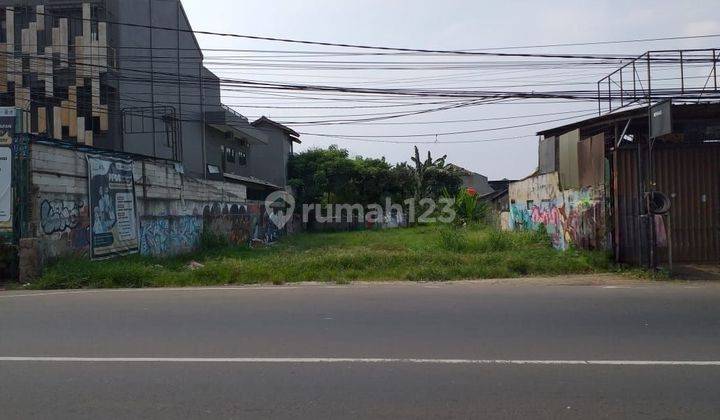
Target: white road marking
{"x":329,"y":360}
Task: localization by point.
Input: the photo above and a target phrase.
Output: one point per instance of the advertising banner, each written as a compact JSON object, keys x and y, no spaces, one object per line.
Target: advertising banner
{"x":113,"y":218}
{"x":6,"y":192}
{"x":7,"y":125}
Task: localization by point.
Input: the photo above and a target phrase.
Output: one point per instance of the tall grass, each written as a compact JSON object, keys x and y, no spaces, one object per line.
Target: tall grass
{"x":427,"y":253}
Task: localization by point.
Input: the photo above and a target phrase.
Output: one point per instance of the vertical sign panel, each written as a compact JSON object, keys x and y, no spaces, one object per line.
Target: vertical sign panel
{"x":5,"y":185}
{"x":111,"y":188}
{"x":661,"y":119}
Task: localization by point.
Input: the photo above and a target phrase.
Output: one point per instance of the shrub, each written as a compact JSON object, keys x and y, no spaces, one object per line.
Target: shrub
{"x":468,"y":208}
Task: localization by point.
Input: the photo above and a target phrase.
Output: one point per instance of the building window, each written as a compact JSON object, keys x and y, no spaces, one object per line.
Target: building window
{"x":242,"y":158}
{"x":230,"y":155}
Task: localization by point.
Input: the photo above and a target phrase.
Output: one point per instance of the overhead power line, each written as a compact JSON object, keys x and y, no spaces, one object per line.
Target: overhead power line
{"x":437,"y":122}
{"x":340,"y":137}
{"x":451,"y":133}
{"x":357,"y":46}
{"x":582,"y":44}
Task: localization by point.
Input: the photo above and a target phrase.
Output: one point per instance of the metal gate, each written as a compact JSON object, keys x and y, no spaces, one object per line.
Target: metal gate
{"x":690,"y":175}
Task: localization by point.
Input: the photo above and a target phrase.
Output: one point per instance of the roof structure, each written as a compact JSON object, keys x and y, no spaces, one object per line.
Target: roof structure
{"x":267,"y":121}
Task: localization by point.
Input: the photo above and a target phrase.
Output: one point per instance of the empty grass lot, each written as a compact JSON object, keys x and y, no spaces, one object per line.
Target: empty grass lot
{"x":427,"y":253}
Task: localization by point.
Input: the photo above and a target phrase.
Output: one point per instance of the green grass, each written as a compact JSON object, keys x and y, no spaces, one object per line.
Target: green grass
{"x":428,"y":253}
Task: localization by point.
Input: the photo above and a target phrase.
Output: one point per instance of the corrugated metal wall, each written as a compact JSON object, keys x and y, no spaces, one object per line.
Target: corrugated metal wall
{"x":689,"y":174}
{"x":627,"y":207}
{"x":690,"y":177}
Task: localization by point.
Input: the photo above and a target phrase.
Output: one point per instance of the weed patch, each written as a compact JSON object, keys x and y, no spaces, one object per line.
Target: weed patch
{"x":424,"y":253}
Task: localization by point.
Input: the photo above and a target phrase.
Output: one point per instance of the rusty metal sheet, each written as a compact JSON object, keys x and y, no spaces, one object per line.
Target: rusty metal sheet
{"x":591,"y":161}
{"x":547,"y":153}
{"x":568,"y":160}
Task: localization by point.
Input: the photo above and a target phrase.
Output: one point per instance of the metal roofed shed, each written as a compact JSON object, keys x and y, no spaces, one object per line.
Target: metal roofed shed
{"x":657,"y":133}
{"x":614,"y":150}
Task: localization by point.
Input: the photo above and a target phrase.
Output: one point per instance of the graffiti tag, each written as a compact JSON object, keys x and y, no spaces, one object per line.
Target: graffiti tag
{"x":59,"y":216}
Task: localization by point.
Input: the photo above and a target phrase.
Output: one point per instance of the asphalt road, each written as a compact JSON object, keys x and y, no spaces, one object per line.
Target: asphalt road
{"x":456,"y":350}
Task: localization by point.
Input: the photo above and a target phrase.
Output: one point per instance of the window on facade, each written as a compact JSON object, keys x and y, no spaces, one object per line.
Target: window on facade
{"x":230,"y":155}
{"x":242,"y":158}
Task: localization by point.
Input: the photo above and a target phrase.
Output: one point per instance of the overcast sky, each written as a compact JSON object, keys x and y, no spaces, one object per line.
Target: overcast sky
{"x":447,"y":25}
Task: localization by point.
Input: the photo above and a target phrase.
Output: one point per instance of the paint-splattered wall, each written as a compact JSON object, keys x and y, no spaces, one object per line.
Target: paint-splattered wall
{"x":568,"y":202}
{"x":174,"y":211}
{"x":571,"y":217}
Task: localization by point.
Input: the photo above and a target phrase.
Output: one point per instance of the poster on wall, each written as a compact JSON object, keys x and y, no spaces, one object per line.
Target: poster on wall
{"x":7,"y":125}
{"x":113,"y":218}
{"x":5,"y":185}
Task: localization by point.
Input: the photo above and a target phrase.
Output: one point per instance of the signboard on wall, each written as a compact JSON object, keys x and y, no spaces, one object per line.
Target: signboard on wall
{"x":6,"y":191}
{"x":661,"y":119}
{"x":113,"y":217}
{"x":7,"y":125}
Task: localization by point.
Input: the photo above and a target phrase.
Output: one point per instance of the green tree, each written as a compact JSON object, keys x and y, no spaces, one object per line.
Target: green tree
{"x":433,"y":177}
{"x":330,"y":176}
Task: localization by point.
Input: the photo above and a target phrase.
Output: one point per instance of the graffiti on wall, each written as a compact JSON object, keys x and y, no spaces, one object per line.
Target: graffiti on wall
{"x":239,"y":224}
{"x":68,"y":224}
{"x":575,"y":218}
{"x":171,"y":235}
{"x":242,"y":225}
{"x":264,"y":229}
{"x":59,"y":216}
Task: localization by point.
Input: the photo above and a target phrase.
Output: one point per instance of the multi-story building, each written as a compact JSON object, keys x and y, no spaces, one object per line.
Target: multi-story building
{"x":124,"y":75}
{"x":270,"y":161}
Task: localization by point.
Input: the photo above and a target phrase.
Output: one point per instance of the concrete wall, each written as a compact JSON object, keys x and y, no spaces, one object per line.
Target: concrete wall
{"x":572,"y":217}
{"x":173,"y":209}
